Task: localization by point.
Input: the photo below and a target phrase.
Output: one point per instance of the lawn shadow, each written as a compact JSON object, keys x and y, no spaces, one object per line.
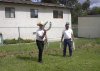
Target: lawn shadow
{"x":55,"y":55}
{"x":58,"y":55}
{"x":27,"y":58}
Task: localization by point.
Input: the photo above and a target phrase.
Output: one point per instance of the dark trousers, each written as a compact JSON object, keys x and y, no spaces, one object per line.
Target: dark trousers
{"x":40,"y":45}
{"x":67,"y":42}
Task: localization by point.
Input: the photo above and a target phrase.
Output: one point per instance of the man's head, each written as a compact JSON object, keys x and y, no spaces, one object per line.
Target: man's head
{"x":67,"y":25}
{"x":40,"y":24}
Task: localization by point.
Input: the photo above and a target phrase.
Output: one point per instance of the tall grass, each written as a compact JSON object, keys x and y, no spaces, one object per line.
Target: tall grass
{"x":23,"y":57}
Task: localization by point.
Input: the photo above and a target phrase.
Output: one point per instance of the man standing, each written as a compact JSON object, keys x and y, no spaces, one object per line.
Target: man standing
{"x":40,"y":36}
{"x":68,"y":37}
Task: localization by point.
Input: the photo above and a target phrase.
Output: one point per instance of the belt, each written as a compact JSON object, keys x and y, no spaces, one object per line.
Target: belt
{"x":68,"y":39}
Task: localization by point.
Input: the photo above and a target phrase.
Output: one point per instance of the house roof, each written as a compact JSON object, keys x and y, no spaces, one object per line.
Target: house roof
{"x":29,"y":2}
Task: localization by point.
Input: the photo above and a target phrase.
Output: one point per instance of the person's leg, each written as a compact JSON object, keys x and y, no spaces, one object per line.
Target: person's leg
{"x":70,"y":47}
{"x":64,"y":48}
{"x":39,"y":44}
{"x":41,"y":51}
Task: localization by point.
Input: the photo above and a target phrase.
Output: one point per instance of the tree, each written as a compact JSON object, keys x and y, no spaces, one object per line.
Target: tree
{"x":85,"y":8}
{"x":86,"y":5}
{"x":94,"y":11}
{"x":71,"y":3}
{"x":77,"y":11}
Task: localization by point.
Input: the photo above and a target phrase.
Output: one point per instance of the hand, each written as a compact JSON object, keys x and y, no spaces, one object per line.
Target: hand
{"x":61,"y":40}
{"x":72,"y":39}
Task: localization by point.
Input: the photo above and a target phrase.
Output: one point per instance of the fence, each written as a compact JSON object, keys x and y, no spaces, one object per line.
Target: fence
{"x":26,"y":33}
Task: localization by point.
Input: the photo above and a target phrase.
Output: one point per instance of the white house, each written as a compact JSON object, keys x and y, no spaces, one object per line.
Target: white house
{"x":89,"y":26}
{"x":25,"y":14}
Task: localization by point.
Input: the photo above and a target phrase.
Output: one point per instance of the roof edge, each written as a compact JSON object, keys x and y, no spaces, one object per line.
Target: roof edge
{"x":33,"y":3}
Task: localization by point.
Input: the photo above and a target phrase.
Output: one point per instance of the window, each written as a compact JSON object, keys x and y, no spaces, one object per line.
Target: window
{"x":34,"y":13}
{"x":57,"y":14}
{"x":9,"y":12}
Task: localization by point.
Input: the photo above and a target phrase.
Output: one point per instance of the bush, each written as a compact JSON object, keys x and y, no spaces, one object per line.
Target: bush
{"x":10,"y":41}
{"x":19,"y":40}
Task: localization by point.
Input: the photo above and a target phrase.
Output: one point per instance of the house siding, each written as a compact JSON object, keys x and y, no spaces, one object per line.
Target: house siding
{"x":8,"y":26}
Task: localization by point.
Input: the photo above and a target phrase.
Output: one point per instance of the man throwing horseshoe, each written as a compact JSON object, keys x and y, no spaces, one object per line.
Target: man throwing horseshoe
{"x":40,"y":37}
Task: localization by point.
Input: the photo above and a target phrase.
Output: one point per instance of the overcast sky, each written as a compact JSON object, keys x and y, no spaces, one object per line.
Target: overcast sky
{"x":93,"y":3}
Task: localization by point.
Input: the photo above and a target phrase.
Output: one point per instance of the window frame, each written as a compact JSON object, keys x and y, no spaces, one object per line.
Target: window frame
{"x":9,"y":12}
{"x":57,"y":14}
{"x":35,"y":15}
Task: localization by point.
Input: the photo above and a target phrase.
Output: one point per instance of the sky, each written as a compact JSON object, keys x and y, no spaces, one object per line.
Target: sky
{"x":94,"y":3}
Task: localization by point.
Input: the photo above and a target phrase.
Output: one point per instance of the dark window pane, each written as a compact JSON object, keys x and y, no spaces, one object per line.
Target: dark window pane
{"x":55,"y":14}
{"x":60,"y":14}
{"x":34,"y":13}
{"x":7,"y":12}
{"x":12,"y":13}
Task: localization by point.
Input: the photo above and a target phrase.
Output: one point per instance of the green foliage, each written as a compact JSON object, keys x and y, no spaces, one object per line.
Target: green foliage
{"x":71,"y":3}
{"x":85,"y":5}
{"x":94,"y":11}
{"x":10,"y":41}
{"x":19,"y":40}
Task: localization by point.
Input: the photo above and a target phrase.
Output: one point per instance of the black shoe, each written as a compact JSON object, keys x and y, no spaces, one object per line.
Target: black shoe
{"x":70,"y":55}
{"x":40,"y":61}
{"x":64,"y":55}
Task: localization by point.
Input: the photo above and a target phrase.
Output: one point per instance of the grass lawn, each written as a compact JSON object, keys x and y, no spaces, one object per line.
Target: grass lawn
{"x":23,"y":57}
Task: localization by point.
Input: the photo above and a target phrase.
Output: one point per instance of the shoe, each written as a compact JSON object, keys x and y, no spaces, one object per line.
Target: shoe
{"x":40,"y":61}
{"x":70,"y":55}
{"x":64,"y":55}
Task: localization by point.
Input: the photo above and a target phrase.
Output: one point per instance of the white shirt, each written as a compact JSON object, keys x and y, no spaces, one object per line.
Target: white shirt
{"x":67,"y":34}
{"x":39,"y":33}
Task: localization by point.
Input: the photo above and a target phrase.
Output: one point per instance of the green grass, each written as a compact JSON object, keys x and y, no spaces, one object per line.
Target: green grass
{"x":86,"y":57}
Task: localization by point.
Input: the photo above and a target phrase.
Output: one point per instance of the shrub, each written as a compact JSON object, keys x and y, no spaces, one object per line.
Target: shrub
{"x":10,"y":41}
{"x":19,"y":40}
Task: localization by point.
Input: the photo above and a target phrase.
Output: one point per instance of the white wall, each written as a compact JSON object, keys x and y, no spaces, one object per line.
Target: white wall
{"x":22,"y":19}
{"x":89,"y":27}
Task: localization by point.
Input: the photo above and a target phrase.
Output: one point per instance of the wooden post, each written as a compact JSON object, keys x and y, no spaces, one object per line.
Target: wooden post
{"x":19,"y":32}
{"x":1,"y":38}
{"x":19,"y":35}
